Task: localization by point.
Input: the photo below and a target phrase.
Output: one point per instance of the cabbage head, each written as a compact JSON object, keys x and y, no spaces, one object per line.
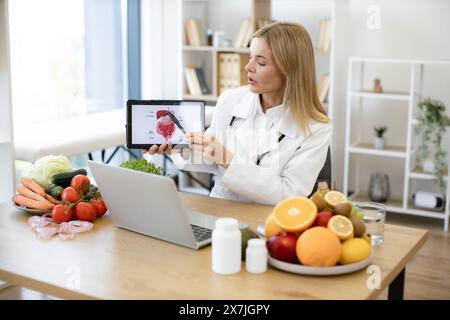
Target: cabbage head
{"x":46,"y":167}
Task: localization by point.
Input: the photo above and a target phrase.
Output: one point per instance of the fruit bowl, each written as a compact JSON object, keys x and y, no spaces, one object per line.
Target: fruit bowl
{"x":315,"y":271}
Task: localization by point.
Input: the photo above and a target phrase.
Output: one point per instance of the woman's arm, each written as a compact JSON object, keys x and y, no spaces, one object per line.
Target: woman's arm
{"x":297,"y":178}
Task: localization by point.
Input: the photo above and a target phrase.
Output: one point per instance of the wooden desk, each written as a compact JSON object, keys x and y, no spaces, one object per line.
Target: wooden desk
{"x":113,"y":263}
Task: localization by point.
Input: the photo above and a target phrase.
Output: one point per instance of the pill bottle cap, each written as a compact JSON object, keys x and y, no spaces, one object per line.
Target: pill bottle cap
{"x":226,"y":224}
{"x":256,"y":243}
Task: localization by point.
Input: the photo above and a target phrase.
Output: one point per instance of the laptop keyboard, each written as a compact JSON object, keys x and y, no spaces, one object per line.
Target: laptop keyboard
{"x":201,"y":233}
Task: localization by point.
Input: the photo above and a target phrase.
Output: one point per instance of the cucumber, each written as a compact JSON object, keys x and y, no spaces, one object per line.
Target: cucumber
{"x":55,"y":192}
{"x":63,"y":179}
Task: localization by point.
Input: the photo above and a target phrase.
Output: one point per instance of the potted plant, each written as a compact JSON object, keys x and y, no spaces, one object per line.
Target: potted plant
{"x":379,"y":141}
{"x":430,"y":129}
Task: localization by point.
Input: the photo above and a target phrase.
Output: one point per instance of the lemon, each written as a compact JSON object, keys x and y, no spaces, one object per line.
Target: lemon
{"x":366,"y":238}
{"x":341,"y":226}
{"x":354,"y":250}
{"x":334,"y":197}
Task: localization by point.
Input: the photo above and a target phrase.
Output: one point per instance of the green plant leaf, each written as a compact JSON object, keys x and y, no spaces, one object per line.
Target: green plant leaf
{"x":142,"y":165}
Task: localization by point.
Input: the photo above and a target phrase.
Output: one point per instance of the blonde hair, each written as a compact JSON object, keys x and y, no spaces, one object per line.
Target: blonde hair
{"x":293,"y":53}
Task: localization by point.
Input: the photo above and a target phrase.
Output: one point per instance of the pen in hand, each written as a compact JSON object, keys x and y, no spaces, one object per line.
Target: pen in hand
{"x":175,"y":120}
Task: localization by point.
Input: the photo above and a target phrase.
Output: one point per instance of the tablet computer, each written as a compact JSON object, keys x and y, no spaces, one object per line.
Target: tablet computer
{"x":157,"y":122}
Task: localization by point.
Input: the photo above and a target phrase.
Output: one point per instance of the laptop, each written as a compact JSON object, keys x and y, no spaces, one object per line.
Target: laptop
{"x":149,"y":204}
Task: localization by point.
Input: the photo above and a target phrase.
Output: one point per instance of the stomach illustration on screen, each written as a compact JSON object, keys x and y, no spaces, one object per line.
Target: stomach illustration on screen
{"x":164,"y":125}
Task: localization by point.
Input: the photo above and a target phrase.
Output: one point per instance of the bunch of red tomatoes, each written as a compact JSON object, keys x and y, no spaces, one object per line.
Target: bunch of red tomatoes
{"x":80,"y":201}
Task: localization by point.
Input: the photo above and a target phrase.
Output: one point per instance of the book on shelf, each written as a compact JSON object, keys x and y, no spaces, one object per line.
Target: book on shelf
{"x":196,"y":81}
{"x":231,"y":71}
{"x":242,"y":38}
{"x":198,"y":88}
{"x":322,"y":87}
{"x":221,"y":74}
{"x":191,"y":88}
{"x":188,"y":33}
{"x":194,"y":32}
{"x":248,"y":36}
{"x":327,"y":44}
{"x":325,"y":35}
{"x":193,"y":85}
{"x":202,"y":81}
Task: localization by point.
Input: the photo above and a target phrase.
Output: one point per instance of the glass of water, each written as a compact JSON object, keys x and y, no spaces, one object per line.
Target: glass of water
{"x":374,"y":217}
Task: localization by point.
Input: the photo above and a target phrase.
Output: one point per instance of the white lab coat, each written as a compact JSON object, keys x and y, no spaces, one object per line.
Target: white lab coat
{"x":289,"y":168}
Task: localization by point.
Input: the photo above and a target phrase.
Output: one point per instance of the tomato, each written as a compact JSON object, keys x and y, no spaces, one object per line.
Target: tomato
{"x":85,"y":211}
{"x":99,"y":206}
{"x":80,"y":183}
{"x":71,"y":195}
{"x":61,"y":213}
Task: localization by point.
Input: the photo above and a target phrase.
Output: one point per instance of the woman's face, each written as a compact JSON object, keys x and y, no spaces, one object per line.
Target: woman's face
{"x":262,"y":73}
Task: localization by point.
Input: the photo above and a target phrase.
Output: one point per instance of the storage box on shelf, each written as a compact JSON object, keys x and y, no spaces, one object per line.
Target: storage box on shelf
{"x":355,"y":148}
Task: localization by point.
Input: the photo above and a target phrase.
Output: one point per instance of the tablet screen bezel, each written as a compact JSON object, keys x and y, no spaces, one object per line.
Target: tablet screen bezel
{"x":129,"y":124}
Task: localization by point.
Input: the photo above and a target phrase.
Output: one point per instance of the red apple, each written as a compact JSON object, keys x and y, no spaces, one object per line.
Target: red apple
{"x":283,"y":247}
{"x":322,"y":219}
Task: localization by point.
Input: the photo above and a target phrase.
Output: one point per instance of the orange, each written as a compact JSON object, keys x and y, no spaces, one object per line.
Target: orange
{"x":295,"y":214}
{"x":333,"y":198}
{"x":318,"y":247}
{"x":271,"y":227}
{"x":341,"y":226}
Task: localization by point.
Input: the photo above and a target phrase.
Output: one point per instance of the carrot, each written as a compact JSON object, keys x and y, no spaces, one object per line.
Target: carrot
{"x":30,"y":184}
{"x":28,"y":193}
{"x":30,"y":203}
{"x":52,"y":200}
{"x":32,"y":195}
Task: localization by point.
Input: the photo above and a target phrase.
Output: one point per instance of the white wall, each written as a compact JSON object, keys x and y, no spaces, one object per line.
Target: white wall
{"x":413,"y":29}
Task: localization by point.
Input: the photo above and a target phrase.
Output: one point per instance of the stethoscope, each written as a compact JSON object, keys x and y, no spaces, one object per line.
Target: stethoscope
{"x":261,"y":156}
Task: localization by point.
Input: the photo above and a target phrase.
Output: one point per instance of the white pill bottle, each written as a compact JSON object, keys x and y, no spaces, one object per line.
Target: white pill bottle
{"x":226,"y":246}
{"x":256,"y":256}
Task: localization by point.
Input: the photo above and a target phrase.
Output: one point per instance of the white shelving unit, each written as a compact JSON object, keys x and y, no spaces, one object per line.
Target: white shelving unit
{"x":354,"y":147}
{"x":227,"y":15}
{"x":6,"y":136}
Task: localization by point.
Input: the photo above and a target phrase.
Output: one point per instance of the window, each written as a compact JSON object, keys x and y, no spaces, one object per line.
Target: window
{"x":66,"y":58}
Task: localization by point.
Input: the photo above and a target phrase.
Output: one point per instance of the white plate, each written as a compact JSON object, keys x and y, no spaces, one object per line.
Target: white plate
{"x":261,"y":230}
{"x":319,"y":271}
{"x":25,"y":209}
{"x":315,"y":271}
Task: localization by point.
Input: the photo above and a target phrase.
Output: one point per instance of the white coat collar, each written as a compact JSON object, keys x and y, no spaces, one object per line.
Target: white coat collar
{"x":247,"y":108}
{"x":287,"y":124}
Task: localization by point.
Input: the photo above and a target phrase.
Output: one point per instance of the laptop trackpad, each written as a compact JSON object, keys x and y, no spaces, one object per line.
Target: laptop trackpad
{"x":206,"y":220}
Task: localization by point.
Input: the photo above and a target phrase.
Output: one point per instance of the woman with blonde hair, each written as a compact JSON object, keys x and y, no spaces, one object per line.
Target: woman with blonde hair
{"x":269,"y":140}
